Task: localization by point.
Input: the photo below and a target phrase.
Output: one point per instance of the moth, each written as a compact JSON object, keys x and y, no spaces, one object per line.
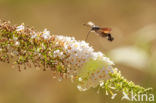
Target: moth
{"x":102,"y":32}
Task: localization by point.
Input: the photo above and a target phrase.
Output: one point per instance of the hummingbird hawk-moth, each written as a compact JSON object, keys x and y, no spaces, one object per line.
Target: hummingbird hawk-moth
{"x":102,"y":32}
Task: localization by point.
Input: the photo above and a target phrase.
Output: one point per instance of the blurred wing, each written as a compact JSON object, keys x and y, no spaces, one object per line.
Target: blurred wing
{"x":106,"y":30}
{"x":91,"y":24}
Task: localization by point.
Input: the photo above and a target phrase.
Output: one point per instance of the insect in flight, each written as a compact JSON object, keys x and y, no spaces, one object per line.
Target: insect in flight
{"x":103,"y":32}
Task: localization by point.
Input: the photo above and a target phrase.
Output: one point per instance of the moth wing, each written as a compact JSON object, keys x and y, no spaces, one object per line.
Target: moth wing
{"x":106,"y":30}
{"x":91,"y":24}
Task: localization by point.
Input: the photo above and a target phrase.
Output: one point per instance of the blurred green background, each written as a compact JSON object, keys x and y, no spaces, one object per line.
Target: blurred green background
{"x":133,"y":50}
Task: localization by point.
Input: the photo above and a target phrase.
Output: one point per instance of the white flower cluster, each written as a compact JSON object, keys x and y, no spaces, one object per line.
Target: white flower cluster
{"x":20,"y":27}
{"x":58,"y":53}
{"x":46,"y":34}
{"x":81,"y":53}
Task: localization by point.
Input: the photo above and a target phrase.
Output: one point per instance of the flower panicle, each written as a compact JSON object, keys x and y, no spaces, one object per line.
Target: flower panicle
{"x":64,"y":56}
